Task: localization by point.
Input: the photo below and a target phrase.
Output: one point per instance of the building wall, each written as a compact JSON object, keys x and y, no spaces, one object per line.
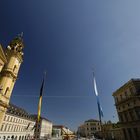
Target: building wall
{"x":127,"y":103}
{"x":112,"y":131}
{"x":81,"y":131}
{"x":45,"y":129}
{"x":91,"y":127}
{"x":3,"y":107}
{"x":1,"y":64}
{"x":56,"y":132}
{"x":16,"y":127}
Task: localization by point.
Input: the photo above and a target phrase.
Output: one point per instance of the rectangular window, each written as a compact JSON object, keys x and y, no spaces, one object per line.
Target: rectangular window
{"x":121,"y":97}
{"x":131,"y":90}
{"x":130,"y":133}
{"x":2,"y":127}
{"x":138,"y":113}
{"x":131,"y":113}
{"x":125,"y":135}
{"x":8,"y":118}
{"x":136,"y":132}
{"x":121,"y":117}
{"x":126,"y":116}
{"x":5,"y":118}
{"x":126,"y":95}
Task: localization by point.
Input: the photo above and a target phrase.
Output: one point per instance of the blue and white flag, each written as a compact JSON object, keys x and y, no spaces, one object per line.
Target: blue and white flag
{"x":96,"y":93}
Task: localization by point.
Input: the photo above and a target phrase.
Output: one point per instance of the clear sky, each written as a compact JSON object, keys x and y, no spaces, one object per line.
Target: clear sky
{"x":68,"y":38}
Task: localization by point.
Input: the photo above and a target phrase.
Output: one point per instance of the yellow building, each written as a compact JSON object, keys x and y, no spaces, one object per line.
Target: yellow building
{"x":127,"y":101}
{"x":10,"y":61}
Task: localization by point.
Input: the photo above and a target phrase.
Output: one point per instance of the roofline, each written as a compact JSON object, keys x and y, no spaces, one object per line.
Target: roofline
{"x":126,"y":84}
{"x":92,"y":120}
{"x":35,"y":116}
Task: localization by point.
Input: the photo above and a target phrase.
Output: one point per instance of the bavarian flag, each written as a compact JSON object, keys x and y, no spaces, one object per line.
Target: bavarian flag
{"x":40,"y":98}
{"x":96,"y":93}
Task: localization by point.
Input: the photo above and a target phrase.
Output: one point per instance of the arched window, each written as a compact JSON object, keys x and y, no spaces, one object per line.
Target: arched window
{"x":8,"y":137}
{"x":2,"y":127}
{"x":5,"y":127}
{"x":4,"y":137}
{"x":5,"y":118}
{"x":12,"y":137}
{"x":19,"y":137}
{"x":14,"y":68}
{"x":16,"y":138}
{"x":6,"y":90}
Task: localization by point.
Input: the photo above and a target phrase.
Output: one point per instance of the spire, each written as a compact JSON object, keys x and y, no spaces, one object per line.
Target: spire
{"x":20,"y":36}
{"x":17,"y":44}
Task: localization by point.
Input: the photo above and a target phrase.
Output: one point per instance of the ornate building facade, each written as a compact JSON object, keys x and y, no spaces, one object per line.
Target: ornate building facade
{"x":17,"y":124}
{"x":10,"y":61}
{"x":127,"y":101}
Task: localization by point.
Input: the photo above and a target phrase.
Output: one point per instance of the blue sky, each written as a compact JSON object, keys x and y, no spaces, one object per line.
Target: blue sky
{"x":68,"y":38}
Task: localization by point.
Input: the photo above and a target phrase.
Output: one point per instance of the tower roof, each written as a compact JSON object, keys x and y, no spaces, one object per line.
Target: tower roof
{"x":16,"y":44}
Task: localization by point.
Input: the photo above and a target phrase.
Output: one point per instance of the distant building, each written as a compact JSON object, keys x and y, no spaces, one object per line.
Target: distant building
{"x":81,"y":130}
{"x":62,"y":131}
{"x":17,"y":124}
{"x":44,"y":128}
{"x":111,"y":131}
{"x":127,"y":101}
{"x":57,"y":131}
{"x":89,"y":128}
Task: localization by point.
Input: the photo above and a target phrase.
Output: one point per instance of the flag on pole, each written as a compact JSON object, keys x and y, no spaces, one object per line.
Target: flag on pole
{"x":40,"y":99}
{"x":96,"y":93}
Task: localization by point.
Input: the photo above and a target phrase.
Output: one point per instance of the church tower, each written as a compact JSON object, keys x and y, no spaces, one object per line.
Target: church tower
{"x":9,"y":73}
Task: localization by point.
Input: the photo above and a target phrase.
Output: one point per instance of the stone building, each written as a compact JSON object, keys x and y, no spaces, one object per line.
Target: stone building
{"x":10,"y":62}
{"x":127,"y":101}
{"x":111,"y":131}
{"x":17,"y":124}
{"x":90,"y":128}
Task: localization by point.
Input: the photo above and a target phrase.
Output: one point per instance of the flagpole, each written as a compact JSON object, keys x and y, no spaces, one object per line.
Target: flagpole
{"x":39,"y":106}
{"x":98,"y":103}
{"x":100,"y":118}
